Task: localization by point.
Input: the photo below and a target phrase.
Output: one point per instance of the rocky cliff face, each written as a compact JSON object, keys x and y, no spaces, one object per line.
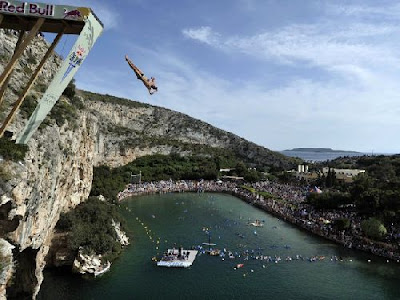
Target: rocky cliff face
{"x":55,"y":176}
{"x":57,"y":172}
{"x":128,"y":129}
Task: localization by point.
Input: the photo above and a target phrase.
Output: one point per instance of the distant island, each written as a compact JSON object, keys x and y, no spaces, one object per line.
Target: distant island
{"x":319,"y":150}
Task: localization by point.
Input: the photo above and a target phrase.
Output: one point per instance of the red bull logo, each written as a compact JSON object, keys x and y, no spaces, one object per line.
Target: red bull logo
{"x":72,"y":14}
{"x":27,"y":8}
{"x":80,"y":52}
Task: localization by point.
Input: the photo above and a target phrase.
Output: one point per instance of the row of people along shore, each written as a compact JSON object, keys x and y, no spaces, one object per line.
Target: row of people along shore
{"x":288,"y":203}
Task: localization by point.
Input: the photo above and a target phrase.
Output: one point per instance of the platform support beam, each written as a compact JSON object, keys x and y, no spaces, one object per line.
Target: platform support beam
{"x":19,"y":51}
{"x":30,"y":83}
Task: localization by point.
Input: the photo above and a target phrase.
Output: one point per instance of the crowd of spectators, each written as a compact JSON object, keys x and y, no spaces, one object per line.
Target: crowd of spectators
{"x":170,"y":186}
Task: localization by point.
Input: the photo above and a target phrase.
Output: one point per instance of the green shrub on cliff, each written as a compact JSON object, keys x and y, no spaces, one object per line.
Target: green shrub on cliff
{"x":9,"y":150}
{"x":63,"y":111}
{"x":107,"y":182}
{"x":90,"y":227}
{"x":113,"y":100}
{"x":28,"y":106}
{"x":5,"y":174}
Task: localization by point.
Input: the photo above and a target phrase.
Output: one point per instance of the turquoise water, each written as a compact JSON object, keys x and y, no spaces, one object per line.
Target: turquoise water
{"x":182,"y":219}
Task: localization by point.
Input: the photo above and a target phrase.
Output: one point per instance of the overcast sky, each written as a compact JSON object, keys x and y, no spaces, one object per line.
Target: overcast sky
{"x":282,"y":74}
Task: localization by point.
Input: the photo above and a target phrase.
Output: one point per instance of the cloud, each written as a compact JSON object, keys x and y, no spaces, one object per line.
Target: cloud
{"x":323,"y":45}
{"x":366,"y":11}
{"x":348,"y":48}
{"x":203,"y":34}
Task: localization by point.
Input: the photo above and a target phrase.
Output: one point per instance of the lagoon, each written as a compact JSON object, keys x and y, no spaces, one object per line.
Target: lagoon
{"x":162,"y":221}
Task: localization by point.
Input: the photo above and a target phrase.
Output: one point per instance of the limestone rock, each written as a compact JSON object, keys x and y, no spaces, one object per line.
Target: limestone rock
{"x":122,"y":237}
{"x":90,"y":264}
{"x":7,"y":265}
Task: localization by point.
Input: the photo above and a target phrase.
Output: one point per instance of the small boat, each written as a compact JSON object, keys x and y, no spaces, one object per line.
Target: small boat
{"x":209,"y":244}
{"x":214,"y":252}
{"x":239,"y":266}
{"x":240,"y":235}
{"x":257,"y":223}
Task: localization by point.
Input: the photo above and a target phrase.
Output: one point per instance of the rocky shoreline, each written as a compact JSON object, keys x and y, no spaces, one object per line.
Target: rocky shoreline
{"x":286,"y":203}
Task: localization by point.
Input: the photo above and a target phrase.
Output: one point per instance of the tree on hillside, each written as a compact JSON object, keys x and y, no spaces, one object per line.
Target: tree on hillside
{"x":373,"y":228}
{"x":252,"y":176}
{"x":70,"y":90}
{"x":240,"y":169}
{"x":330,"y":178}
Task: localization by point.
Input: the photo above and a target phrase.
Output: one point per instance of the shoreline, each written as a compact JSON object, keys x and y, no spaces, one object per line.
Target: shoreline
{"x":292,"y":210}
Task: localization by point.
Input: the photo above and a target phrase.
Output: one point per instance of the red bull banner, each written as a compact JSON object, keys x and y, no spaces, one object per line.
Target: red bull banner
{"x":43,"y":10}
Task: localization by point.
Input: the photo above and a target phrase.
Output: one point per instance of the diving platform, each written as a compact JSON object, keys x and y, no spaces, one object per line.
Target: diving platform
{"x":32,"y":19}
{"x":178,"y":258}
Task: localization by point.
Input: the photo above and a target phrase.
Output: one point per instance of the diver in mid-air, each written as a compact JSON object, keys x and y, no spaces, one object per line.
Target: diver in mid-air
{"x":150,"y":84}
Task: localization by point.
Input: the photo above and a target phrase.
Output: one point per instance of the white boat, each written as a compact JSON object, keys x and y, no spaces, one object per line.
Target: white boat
{"x":208,"y":244}
{"x":178,"y":258}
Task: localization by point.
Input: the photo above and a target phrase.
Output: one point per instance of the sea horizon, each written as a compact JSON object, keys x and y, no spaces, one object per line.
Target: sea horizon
{"x":319,"y":156}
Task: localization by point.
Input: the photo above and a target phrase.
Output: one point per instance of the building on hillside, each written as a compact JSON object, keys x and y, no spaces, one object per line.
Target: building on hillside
{"x":346,"y":175}
{"x":303,"y":173}
{"x":302,"y":169}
